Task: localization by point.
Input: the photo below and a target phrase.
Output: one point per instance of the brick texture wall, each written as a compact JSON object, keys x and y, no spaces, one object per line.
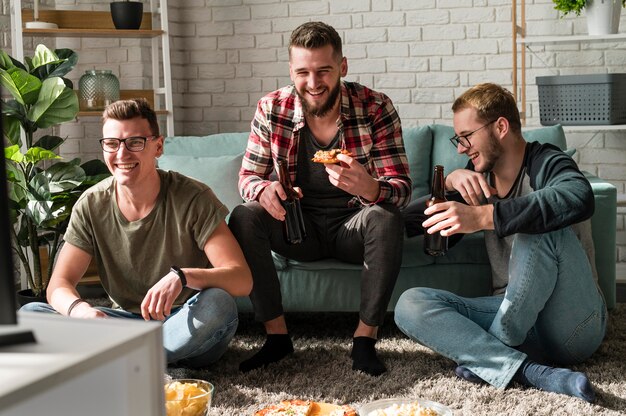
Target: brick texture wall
{"x":226,"y":54}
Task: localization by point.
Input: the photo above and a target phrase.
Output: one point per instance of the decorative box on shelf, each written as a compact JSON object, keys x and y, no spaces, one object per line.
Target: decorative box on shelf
{"x":577,"y":100}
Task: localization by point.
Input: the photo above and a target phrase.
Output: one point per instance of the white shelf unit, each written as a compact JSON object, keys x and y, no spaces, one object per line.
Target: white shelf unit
{"x":95,"y":24}
{"x":519,"y":39}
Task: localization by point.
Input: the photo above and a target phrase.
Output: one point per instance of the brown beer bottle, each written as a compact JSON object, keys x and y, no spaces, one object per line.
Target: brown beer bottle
{"x":436,"y":244}
{"x":294,"y":222}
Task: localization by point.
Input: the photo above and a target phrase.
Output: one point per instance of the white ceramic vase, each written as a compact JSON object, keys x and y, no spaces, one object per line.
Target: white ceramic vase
{"x":603,"y":16}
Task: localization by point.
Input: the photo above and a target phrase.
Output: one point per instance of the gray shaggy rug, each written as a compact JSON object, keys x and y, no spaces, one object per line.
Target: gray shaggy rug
{"x":320,"y":370}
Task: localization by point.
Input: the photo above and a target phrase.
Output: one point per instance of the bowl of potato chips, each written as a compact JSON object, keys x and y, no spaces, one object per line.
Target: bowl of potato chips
{"x":188,"y":397}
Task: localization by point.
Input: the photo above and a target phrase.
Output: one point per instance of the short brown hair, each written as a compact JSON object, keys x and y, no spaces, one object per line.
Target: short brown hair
{"x":129,"y":109}
{"x":490,"y":101}
{"x":313,"y":35}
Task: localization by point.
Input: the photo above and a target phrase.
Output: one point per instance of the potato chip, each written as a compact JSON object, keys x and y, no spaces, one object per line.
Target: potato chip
{"x":187,"y":398}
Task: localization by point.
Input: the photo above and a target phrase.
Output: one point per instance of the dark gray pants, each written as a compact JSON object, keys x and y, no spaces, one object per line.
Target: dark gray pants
{"x":372,"y":236}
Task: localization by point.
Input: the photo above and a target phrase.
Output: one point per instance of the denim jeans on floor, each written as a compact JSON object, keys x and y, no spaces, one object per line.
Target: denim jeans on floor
{"x":195,"y":334}
{"x":552,"y":312}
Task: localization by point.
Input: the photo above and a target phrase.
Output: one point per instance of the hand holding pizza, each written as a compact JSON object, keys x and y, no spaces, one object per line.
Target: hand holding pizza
{"x":352,"y":177}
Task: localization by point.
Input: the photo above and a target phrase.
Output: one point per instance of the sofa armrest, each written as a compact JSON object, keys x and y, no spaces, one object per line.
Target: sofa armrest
{"x":603,"y":226}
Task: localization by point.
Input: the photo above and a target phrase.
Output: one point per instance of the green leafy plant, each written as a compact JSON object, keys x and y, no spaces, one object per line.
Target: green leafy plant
{"x":574,"y":6}
{"x":42,"y":189}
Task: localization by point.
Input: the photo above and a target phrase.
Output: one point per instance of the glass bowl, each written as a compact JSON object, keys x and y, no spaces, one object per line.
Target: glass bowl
{"x":188,"y":397}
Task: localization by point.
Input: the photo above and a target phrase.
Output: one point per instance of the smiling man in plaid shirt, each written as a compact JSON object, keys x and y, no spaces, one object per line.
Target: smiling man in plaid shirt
{"x":351,"y":209}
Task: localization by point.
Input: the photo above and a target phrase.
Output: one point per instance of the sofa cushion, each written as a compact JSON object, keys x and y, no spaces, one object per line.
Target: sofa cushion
{"x":213,"y":145}
{"x":444,"y":153}
{"x":553,"y":135}
{"x":470,"y":250}
{"x":418,"y":146}
{"x":220,"y":173}
{"x":214,"y":160}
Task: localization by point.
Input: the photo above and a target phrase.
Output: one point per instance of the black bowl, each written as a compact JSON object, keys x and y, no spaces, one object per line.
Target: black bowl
{"x":127,"y":14}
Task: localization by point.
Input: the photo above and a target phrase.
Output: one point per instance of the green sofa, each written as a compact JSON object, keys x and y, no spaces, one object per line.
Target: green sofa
{"x":332,"y":285}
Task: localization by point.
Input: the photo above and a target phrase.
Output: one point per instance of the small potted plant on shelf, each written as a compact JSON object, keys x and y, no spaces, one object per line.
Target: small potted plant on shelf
{"x":41,"y":192}
{"x":602,"y":15}
{"x":127,"y":14}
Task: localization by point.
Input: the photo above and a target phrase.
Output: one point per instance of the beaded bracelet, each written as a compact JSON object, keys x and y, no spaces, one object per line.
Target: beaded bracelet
{"x":73,"y":305}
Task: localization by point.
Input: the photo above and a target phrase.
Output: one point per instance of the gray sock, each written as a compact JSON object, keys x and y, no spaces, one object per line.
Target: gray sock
{"x":556,"y":380}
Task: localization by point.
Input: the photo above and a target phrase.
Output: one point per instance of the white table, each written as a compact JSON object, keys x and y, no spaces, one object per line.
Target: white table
{"x":91,"y":367}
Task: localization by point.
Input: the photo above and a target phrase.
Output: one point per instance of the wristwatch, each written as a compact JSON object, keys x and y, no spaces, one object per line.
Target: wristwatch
{"x":180,"y":273}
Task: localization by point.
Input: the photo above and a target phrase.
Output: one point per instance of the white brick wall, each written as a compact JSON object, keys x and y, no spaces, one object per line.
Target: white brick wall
{"x":226,"y":54}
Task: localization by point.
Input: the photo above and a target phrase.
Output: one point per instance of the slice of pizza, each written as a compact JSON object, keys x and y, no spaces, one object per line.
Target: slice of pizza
{"x":344,"y":410}
{"x":329,"y":156}
{"x":287,"y":408}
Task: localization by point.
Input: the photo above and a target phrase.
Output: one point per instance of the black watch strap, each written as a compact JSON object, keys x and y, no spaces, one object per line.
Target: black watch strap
{"x":181,"y":275}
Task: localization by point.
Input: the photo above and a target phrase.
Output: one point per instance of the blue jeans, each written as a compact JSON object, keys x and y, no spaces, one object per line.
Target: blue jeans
{"x":195,"y":334}
{"x":552,"y":312}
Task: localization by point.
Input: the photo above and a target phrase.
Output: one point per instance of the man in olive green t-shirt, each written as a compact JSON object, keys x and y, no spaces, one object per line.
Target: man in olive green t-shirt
{"x":163,"y":249}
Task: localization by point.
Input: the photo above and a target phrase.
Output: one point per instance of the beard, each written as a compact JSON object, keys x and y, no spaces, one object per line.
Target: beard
{"x":322,"y":109}
{"x":490,"y":155}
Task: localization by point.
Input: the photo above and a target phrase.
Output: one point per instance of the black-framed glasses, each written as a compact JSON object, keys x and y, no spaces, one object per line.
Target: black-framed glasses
{"x":463,"y":140}
{"x":133,"y":144}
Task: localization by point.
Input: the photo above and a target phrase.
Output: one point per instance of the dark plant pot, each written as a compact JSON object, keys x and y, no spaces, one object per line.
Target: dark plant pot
{"x":127,"y":14}
{"x":25,"y":296}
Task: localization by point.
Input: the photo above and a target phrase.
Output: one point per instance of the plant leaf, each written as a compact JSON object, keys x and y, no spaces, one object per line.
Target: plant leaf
{"x":35,"y":155}
{"x":13,"y":153}
{"x":49,"y":142}
{"x":56,"y":104}
{"x":64,"y":176}
{"x":23,"y":86}
{"x":11,"y":128}
{"x":39,"y":199}
{"x":5,"y":61}
{"x":17,"y":186}
{"x":43,"y":56}
{"x":39,"y":211}
{"x":69,"y":60}
{"x":22,"y":234}
{"x":95,"y":167}
{"x":47,"y":64}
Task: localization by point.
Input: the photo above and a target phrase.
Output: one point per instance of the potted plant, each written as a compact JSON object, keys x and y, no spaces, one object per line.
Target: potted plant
{"x":126,"y":14}
{"x":602,"y":15}
{"x":41,"y":192}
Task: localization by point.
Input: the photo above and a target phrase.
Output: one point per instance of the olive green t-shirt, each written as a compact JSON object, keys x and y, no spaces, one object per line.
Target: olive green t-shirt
{"x":133,"y":255}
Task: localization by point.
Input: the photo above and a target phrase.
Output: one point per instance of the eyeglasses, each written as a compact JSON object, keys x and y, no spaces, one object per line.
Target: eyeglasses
{"x":133,"y":144}
{"x":463,"y":140}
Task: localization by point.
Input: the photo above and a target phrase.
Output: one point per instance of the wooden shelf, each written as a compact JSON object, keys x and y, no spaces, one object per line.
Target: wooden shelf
{"x":126,"y":95}
{"x":85,"y":23}
{"x":605,"y":127}
{"x":93,"y":33}
{"x":571,"y":39}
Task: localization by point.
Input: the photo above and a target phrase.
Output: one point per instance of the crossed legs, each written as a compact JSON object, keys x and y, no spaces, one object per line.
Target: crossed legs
{"x":194,"y":335}
{"x":552,"y":312}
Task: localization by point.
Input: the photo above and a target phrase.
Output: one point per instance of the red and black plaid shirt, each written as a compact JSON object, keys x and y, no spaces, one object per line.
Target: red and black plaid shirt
{"x":369,"y":128}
